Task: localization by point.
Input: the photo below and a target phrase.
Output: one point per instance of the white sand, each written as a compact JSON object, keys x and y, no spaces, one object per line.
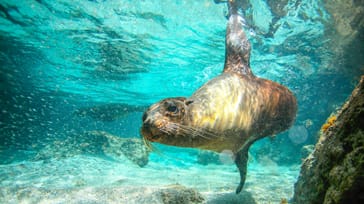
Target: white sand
{"x":86,"y":179}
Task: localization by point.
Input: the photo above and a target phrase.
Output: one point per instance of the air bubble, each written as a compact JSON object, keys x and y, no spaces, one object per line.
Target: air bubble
{"x":298,"y":134}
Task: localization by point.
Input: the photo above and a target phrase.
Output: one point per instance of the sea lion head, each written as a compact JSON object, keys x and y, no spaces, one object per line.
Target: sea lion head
{"x":163,"y":120}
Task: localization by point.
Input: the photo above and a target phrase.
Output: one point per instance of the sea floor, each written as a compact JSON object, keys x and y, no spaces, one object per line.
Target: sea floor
{"x":90,"y":179}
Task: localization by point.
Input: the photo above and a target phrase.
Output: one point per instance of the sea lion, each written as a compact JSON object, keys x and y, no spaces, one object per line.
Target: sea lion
{"x":229,"y":112}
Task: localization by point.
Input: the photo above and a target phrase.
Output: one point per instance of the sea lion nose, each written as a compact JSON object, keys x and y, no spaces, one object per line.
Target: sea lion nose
{"x":145,"y":116}
{"x":148,"y":131}
{"x":145,"y":130}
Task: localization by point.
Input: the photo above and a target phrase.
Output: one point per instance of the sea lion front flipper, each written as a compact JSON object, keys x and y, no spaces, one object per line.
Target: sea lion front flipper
{"x":237,"y":51}
{"x":241,"y":161}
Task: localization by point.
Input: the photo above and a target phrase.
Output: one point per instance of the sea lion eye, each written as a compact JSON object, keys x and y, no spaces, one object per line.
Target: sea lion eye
{"x":172,"y":108}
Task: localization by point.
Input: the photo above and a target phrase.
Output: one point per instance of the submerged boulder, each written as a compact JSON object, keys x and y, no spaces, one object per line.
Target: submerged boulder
{"x":334,"y":172}
{"x":177,"y":194}
{"x":97,"y":143}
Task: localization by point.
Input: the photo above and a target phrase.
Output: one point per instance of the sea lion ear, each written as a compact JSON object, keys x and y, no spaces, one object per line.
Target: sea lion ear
{"x":188,"y":102}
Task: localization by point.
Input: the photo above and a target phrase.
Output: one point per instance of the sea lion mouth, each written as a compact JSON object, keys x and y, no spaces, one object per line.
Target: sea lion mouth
{"x":150,"y":133}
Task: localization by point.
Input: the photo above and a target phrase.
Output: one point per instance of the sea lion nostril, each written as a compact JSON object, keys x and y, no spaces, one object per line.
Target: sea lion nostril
{"x":146,"y":126}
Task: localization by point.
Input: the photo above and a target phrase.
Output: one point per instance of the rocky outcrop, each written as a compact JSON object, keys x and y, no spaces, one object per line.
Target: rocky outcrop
{"x":346,"y":34}
{"x":177,"y":194}
{"x":97,"y":143}
{"x":347,"y":15}
{"x":334,"y":172}
{"x":306,"y":151}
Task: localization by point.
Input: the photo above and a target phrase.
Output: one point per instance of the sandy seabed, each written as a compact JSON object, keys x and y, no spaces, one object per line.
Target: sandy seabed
{"x":89,"y":179}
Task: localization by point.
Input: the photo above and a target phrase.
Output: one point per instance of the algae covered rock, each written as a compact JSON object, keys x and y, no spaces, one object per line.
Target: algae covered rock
{"x":306,"y":151}
{"x":177,"y":194}
{"x":334,"y":172}
{"x":96,"y":143}
{"x":133,"y":148}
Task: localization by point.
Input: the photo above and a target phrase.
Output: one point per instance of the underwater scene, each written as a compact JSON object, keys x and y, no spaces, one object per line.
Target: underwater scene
{"x":101,"y":101}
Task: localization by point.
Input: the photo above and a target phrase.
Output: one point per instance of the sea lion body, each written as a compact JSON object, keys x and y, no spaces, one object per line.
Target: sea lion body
{"x":241,"y":110}
{"x":229,"y":112}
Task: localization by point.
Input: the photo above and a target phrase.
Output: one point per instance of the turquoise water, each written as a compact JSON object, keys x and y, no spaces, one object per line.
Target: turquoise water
{"x":63,"y":60}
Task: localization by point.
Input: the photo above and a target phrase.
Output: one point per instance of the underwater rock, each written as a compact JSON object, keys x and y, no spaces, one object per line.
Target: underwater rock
{"x":346,"y":35}
{"x":108,"y":112}
{"x":334,"y":172}
{"x":348,"y":16}
{"x":177,"y":194}
{"x":97,"y":143}
{"x":134,"y":149}
{"x":205,"y":157}
{"x":306,"y":151}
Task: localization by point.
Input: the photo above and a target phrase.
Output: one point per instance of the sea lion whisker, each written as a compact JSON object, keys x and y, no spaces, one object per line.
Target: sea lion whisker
{"x":196,"y":132}
{"x":169,"y":129}
{"x":165,"y":130}
{"x":178,"y":127}
{"x":199,"y":131}
{"x":193,"y":131}
{"x":174,"y":126}
{"x":147,"y":144}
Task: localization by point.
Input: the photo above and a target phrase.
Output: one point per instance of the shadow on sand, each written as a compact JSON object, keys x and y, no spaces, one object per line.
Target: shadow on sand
{"x":232,"y":198}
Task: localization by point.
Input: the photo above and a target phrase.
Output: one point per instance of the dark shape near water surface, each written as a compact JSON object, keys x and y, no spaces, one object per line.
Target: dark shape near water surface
{"x":334,"y":172}
{"x":108,"y":112}
{"x":229,"y":112}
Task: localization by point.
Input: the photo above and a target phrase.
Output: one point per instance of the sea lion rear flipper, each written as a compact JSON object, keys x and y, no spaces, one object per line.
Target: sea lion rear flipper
{"x":237,"y":51}
{"x":241,"y":161}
